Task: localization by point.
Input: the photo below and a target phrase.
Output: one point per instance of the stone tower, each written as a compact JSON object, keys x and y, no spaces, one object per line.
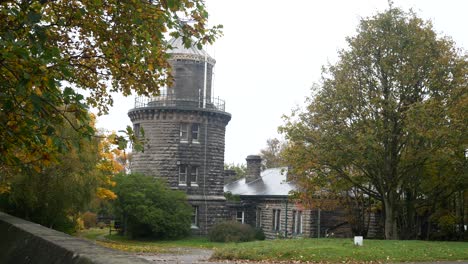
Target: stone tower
{"x":185,"y":128}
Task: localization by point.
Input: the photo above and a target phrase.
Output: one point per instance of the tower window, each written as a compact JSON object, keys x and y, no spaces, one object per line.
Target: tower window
{"x":136,"y":130}
{"x":184,"y":132}
{"x":195,"y":132}
{"x":182,"y":174}
{"x":194,"y":176}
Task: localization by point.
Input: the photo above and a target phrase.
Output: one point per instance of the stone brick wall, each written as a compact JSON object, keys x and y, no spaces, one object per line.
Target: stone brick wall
{"x":332,"y":222}
{"x":164,"y":151}
{"x":210,"y":211}
{"x":26,"y":242}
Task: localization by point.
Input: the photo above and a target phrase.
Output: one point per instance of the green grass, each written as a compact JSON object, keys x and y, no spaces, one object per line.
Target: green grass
{"x":312,"y":250}
{"x":102,"y":237}
{"x":343,"y":250}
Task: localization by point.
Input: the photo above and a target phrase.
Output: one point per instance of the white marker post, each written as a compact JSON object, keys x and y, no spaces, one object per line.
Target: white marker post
{"x":358,"y":240}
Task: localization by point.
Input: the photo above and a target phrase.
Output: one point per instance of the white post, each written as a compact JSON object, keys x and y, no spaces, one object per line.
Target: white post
{"x":358,"y":240}
{"x":204,"y":82}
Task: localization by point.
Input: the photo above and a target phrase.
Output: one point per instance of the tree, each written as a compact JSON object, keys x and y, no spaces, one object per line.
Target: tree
{"x":272,"y":154}
{"x":61,"y":57}
{"x":389,"y":116}
{"x":239,"y":169}
{"x":55,"y":194}
{"x":149,"y":208}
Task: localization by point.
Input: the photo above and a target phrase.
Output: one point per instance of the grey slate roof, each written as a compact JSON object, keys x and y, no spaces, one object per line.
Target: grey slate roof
{"x":272,"y":183}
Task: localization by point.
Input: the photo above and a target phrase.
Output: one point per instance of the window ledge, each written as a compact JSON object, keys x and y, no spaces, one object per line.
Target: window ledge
{"x":194,"y":184}
{"x":182,"y":184}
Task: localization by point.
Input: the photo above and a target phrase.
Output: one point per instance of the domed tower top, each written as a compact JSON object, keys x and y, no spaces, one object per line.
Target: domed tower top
{"x":180,"y":52}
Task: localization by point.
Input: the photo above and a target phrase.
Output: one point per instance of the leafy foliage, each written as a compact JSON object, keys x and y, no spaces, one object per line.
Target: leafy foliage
{"x":388,"y":119}
{"x":150,"y":209}
{"x":232,"y":231}
{"x":272,"y":154}
{"x":239,"y":169}
{"x":57,"y":58}
{"x":54,"y":194}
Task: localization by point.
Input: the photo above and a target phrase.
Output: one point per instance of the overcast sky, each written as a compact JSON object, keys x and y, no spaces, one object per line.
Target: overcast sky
{"x":272,"y":52}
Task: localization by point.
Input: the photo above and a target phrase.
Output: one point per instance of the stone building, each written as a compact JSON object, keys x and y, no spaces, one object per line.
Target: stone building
{"x":185,"y":132}
{"x":265,"y":203}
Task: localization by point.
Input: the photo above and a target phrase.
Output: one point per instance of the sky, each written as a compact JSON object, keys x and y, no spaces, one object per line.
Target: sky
{"x":272,"y":53}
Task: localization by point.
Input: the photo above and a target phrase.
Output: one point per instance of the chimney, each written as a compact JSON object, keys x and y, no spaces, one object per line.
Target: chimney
{"x":254,"y":164}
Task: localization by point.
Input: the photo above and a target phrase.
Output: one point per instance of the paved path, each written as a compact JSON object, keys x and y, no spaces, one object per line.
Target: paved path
{"x":181,"y":255}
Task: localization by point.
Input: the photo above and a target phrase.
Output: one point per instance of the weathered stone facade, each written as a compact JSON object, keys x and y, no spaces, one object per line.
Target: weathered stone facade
{"x":265,"y":203}
{"x":185,"y":132}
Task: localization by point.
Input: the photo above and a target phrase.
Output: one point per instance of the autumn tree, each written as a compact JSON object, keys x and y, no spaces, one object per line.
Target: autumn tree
{"x":62,"y":57}
{"x":55,"y":194}
{"x":272,"y":154}
{"x":389,"y":118}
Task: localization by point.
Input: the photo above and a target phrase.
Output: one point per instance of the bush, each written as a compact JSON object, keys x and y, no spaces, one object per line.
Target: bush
{"x":259,"y":234}
{"x":151,"y":209}
{"x":89,"y":219}
{"x":232,"y":231}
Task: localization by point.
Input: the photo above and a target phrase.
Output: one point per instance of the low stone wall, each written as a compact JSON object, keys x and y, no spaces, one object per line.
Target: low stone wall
{"x":26,"y":242}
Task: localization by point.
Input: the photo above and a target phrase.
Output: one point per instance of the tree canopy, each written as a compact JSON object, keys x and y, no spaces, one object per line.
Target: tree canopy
{"x":272,"y":154}
{"x":62,"y":57}
{"x":389,"y":118}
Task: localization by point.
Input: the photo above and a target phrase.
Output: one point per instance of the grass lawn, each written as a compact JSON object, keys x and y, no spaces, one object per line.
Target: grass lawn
{"x":343,"y":250}
{"x":102,"y":237}
{"x":312,"y":250}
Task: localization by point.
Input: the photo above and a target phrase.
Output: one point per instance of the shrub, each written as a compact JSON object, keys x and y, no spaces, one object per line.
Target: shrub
{"x":231,"y":231}
{"x":259,"y":234}
{"x":151,"y":209}
{"x":89,"y":219}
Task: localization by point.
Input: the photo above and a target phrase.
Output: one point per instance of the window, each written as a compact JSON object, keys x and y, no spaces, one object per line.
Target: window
{"x":194,"y":176}
{"x":276,"y":219}
{"x":136,"y":130}
{"x":240,"y":217}
{"x":297,"y":222}
{"x":194,"y":216}
{"x":195,"y":133}
{"x":184,"y":132}
{"x":182,"y":174}
{"x":258,"y":218}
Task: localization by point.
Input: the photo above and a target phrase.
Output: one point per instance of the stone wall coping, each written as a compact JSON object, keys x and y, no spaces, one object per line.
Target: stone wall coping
{"x":22,"y":241}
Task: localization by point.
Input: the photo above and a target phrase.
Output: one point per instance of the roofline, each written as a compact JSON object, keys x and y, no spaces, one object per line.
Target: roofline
{"x":264,"y":196}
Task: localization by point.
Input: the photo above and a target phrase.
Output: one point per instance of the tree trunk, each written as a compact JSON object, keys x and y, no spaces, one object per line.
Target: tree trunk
{"x":391,"y":231}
